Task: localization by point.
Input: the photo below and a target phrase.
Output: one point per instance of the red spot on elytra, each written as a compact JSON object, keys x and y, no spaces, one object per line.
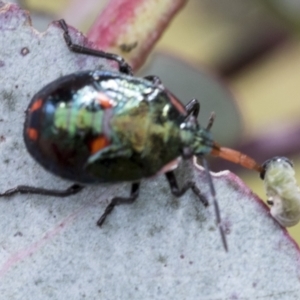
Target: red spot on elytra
{"x":98,"y":143}
{"x":32,"y":134}
{"x":36,"y":105}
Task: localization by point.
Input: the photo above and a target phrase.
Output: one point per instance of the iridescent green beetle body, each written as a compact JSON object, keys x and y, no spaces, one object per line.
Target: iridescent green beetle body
{"x":95,"y":126}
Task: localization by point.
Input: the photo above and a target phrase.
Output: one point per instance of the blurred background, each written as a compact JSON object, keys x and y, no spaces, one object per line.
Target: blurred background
{"x":241,"y":59}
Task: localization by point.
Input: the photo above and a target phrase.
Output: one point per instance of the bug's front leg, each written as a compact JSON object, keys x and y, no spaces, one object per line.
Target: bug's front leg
{"x":25,"y":189}
{"x":124,"y":67}
{"x":176,"y":191}
{"x":193,"y":108}
{"x":154,"y":79}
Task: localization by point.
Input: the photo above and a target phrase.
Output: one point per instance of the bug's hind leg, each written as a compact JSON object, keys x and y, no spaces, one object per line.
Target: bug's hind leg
{"x":25,"y":189}
{"x":120,"y":200}
{"x":124,"y":67}
{"x":176,"y":191}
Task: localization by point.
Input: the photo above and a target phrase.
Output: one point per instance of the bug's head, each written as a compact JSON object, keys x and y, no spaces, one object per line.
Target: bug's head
{"x":277,"y":159}
{"x":196,"y":140}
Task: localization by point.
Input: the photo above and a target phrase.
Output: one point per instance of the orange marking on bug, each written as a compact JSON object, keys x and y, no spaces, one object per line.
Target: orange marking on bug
{"x":98,"y":143}
{"x":32,"y":134}
{"x":105,"y":101}
{"x":236,"y":157}
{"x":36,"y":105}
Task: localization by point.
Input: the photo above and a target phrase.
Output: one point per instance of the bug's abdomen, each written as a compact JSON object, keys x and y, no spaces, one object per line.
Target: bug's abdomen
{"x":95,"y":126}
{"x":64,"y":128}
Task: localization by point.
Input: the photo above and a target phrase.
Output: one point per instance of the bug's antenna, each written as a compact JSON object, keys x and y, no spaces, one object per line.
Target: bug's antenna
{"x":212,"y":187}
{"x":211,"y":121}
{"x":215,"y":202}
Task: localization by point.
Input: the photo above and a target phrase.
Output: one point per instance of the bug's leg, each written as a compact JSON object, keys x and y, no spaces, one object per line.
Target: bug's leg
{"x":176,"y":191}
{"x":211,"y":121}
{"x":216,"y":204}
{"x":193,"y":108}
{"x":25,"y":189}
{"x":154,"y":79}
{"x":120,"y":200}
{"x":123,"y":65}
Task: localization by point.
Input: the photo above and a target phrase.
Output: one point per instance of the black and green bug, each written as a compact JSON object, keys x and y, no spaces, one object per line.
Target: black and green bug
{"x":95,"y":127}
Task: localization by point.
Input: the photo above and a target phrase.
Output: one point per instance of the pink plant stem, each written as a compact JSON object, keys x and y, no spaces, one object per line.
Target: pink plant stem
{"x":131,"y":27}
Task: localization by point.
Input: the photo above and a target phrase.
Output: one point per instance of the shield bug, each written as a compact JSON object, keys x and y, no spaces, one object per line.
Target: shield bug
{"x":282,"y":190}
{"x":95,"y":127}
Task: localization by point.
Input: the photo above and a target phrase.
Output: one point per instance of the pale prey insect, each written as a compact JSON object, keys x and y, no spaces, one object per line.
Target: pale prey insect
{"x":282,"y":190}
